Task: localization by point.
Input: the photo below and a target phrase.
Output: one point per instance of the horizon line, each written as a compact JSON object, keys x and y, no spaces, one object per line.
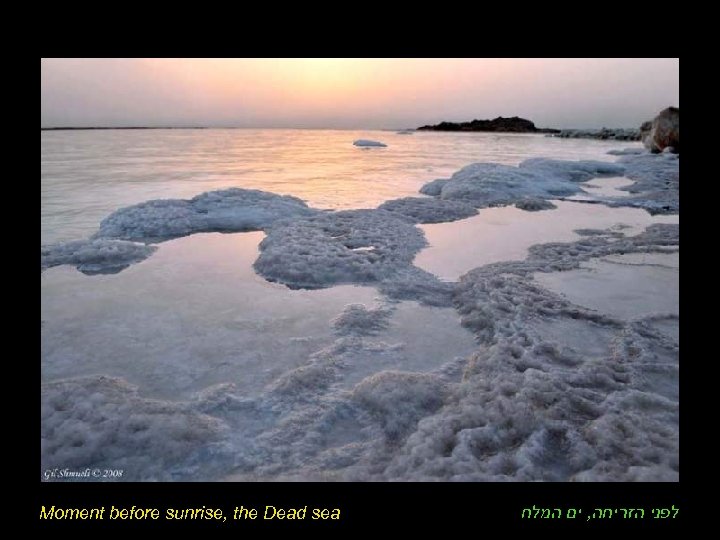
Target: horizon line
{"x":60,"y":128}
{"x":356,"y":128}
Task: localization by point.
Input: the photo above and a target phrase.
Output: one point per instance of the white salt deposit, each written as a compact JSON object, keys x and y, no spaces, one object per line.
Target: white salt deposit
{"x":229,"y":210}
{"x":492,"y":184}
{"x":100,"y":256}
{"x":607,"y":187}
{"x":320,"y":251}
{"x":368,"y":143}
{"x":427,"y":210}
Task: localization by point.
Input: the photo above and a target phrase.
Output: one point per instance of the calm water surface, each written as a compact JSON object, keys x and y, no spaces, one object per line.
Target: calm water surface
{"x":86,"y":175}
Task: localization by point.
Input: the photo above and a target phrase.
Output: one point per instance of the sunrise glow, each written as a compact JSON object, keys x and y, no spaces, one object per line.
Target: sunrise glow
{"x":353,"y":93}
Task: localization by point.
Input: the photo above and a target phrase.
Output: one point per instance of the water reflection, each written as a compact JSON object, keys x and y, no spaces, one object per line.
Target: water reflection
{"x":196,"y":314}
{"x":506,"y":233}
{"x":86,"y":175}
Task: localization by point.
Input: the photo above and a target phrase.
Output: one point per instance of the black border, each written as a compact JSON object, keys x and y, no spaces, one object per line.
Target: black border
{"x":365,"y":507}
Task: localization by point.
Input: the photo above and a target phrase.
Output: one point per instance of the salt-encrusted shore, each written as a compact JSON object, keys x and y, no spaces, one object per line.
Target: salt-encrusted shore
{"x":528,"y":404}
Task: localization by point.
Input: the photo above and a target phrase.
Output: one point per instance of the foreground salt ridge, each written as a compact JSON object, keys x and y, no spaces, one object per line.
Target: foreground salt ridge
{"x":99,"y":256}
{"x":116,"y":245}
{"x":523,"y":407}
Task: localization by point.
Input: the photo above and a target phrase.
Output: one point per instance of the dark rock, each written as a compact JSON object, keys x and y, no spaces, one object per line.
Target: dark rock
{"x":664,"y":132}
{"x":514,"y":124}
{"x":617,"y":134}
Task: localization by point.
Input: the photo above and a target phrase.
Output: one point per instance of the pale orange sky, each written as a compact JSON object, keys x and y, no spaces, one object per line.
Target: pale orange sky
{"x":354,"y":93}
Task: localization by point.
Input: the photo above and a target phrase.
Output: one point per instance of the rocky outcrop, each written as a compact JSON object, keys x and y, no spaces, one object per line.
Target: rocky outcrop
{"x":618,"y":134}
{"x":514,"y":124}
{"x":663,"y":133}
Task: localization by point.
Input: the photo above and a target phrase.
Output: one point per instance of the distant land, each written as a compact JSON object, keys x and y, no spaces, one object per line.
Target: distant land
{"x":514,"y":124}
{"x":129,"y":127}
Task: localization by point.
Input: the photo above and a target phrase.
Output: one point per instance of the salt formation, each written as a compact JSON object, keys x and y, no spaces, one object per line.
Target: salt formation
{"x":356,"y":319}
{"x":228,"y":210}
{"x":492,"y":184}
{"x":426,"y":210}
{"x":101,"y":421}
{"x":534,"y":205}
{"x":113,"y":247}
{"x":434,"y":188}
{"x":573,"y":171}
{"x":340,"y":247}
{"x":530,"y":409}
{"x":99,"y":256}
{"x":368,"y":143}
{"x":657,"y":183}
{"x":352,"y":246}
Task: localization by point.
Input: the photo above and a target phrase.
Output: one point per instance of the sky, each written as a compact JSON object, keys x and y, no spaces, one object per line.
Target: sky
{"x":354,"y":93}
